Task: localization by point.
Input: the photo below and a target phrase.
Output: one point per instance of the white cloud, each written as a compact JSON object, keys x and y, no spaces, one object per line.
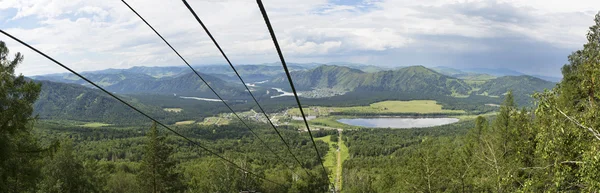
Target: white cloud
{"x":96,"y":34}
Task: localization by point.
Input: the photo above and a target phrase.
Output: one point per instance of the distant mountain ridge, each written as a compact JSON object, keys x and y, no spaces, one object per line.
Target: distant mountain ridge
{"x":409,"y":79}
{"x":488,"y":73}
{"x":76,"y":102}
{"x":412,"y":79}
{"x":127,"y":82}
{"x":522,"y":84}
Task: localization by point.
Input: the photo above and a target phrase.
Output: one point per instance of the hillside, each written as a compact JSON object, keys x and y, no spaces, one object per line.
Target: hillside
{"x":136,"y":81}
{"x":414,"y":79}
{"x":522,"y":87}
{"x":76,"y":102}
{"x":518,"y":84}
{"x":186,"y":84}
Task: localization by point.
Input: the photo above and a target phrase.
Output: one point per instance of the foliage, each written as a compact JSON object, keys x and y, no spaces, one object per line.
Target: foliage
{"x":19,"y":154}
{"x":157,"y":169}
{"x":63,"y":172}
{"x":414,"y":79}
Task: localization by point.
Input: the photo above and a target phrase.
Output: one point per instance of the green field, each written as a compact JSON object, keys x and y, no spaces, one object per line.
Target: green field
{"x":344,"y":155}
{"x":174,"y":110}
{"x":215,"y":121}
{"x":414,"y":106}
{"x":330,"y":157}
{"x":185,"y":122}
{"x":332,"y":162}
{"x":95,"y":124}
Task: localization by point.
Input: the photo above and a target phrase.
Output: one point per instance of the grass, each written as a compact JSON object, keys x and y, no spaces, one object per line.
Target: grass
{"x":174,"y":110}
{"x":95,"y":124}
{"x":414,"y":106}
{"x":344,"y":156}
{"x":215,"y":121}
{"x":185,"y":122}
{"x":331,"y":161}
{"x":330,"y":157}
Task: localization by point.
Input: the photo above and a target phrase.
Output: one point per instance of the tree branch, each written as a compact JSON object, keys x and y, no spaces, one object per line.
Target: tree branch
{"x":563,"y":162}
{"x":594,"y":132}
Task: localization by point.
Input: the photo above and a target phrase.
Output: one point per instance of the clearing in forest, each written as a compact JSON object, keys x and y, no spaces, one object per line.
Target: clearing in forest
{"x":336,"y":155}
{"x":95,"y":124}
{"x":174,"y":110}
{"x":185,"y":122}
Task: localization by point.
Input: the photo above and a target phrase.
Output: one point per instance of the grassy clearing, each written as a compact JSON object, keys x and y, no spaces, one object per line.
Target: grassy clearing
{"x":334,"y":159}
{"x":330,"y":157}
{"x":414,"y":106}
{"x":95,"y":124}
{"x":174,"y":110}
{"x":215,"y":121}
{"x":344,"y":155}
{"x":185,"y":122}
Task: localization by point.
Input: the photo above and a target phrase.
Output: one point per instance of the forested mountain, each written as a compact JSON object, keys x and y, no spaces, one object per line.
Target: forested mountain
{"x":462,"y":74}
{"x":102,"y":79}
{"x":186,"y":84}
{"x":518,"y":84}
{"x":76,"y":102}
{"x":129,"y":83}
{"x":338,"y":77}
{"x":416,"y":79}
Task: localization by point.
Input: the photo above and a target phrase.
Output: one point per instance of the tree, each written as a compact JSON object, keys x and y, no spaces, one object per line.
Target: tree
{"x":64,"y":172}
{"x":158,"y":171}
{"x":18,"y":150}
{"x":566,"y":125}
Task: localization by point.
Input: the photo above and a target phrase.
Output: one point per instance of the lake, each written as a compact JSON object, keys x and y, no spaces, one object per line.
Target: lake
{"x":398,"y":123}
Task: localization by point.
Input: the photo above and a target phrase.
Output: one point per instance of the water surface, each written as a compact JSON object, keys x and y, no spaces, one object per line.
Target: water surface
{"x":399,"y":123}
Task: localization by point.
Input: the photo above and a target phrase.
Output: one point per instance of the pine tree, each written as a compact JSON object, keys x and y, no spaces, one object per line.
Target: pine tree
{"x":63,"y":172}
{"x":18,"y":157}
{"x":158,"y":171}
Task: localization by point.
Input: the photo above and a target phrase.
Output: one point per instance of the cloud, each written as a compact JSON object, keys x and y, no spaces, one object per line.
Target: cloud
{"x":95,"y":34}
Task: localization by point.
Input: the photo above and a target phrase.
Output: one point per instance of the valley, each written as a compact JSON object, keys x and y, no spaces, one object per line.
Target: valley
{"x":410,"y":104}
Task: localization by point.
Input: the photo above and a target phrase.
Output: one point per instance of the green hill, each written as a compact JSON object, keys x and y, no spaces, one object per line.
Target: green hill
{"x":129,"y":82}
{"x":76,"y":102}
{"x":414,"y":79}
{"x":186,"y":84}
{"x":522,"y":87}
{"x":518,"y":84}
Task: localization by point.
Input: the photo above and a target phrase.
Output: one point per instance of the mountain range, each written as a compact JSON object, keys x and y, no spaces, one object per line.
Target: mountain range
{"x":68,"y":96}
{"x":77,"y":102}
{"x":409,"y":80}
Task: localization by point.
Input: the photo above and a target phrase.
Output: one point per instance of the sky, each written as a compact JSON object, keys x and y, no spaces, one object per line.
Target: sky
{"x":530,"y":36}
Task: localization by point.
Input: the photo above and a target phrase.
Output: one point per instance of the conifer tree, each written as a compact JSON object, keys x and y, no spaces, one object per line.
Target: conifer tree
{"x":18,"y":157}
{"x":158,"y":170}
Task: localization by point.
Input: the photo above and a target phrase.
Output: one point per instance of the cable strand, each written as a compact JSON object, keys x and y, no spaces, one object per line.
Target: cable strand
{"x":287,"y":73}
{"x":202,"y":79}
{"x":132,"y":107}
{"x":244,"y":83}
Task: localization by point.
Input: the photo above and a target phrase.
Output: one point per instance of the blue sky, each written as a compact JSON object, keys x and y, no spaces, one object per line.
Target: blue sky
{"x":533,"y":36}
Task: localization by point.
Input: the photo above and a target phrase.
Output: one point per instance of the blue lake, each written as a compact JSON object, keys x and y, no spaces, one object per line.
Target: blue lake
{"x":398,"y":123}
